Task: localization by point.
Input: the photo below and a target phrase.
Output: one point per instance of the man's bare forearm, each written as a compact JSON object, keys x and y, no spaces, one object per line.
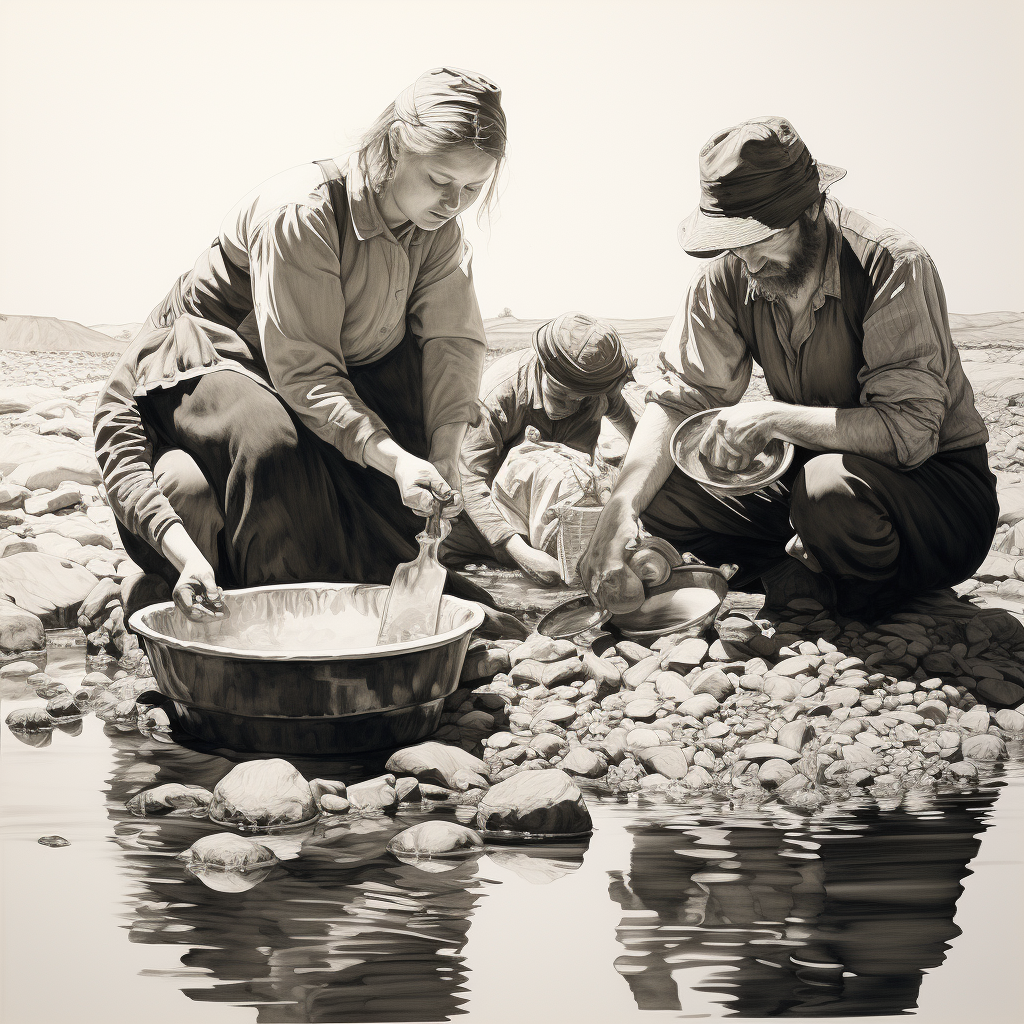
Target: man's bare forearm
{"x":858,"y":431}
{"x":648,"y":462}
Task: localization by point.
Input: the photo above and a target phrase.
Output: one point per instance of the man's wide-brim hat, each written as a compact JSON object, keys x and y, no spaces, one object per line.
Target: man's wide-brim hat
{"x":755,"y":179}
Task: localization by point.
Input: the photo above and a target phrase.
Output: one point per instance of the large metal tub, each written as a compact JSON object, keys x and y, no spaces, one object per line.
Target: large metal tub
{"x":317,"y":701}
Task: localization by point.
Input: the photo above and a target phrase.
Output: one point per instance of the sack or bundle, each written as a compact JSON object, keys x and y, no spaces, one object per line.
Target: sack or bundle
{"x":535,"y":477}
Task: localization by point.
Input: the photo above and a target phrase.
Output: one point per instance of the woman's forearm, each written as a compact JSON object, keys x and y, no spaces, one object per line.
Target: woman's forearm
{"x":178,"y":547}
{"x":446,"y":443}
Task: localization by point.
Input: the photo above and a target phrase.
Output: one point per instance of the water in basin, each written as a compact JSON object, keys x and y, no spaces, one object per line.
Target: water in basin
{"x":289,"y":632}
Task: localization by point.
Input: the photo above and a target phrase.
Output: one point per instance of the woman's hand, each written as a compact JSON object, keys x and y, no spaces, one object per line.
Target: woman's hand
{"x":196,"y":593}
{"x":421,"y":485}
{"x":538,"y":565}
{"x":738,"y":434}
{"x":604,"y":567}
{"x":449,"y":470}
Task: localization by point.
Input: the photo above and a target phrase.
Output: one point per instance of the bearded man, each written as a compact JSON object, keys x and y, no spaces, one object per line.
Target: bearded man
{"x":889,"y":493}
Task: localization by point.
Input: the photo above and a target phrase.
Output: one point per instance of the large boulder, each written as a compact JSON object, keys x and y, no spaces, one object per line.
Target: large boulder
{"x":13,"y":496}
{"x":51,"y":470}
{"x":22,"y":398}
{"x":263,"y":793}
{"x":441,"y":764}
{"x":50,"y":587}
{"x":546,"y":802}
{"x":20,"y":630}
{"x":52,"y":501}
{"x":670,"y":761}
{"x":373,"y":795}
{"x":24,"y":446}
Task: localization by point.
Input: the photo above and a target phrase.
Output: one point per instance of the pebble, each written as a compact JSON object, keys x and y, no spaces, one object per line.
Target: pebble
{"x":537,"y":802}
{"x":761,"y":752}
{"x":775,"y":772}
{"x":54,"y":841}
{"x":262,"y":793}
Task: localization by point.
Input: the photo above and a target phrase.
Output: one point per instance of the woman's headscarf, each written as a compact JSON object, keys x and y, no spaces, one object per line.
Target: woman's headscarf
{"x":582,"y":354}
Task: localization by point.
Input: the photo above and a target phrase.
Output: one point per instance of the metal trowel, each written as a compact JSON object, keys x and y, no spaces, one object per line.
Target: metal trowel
{"x":413,"y":603}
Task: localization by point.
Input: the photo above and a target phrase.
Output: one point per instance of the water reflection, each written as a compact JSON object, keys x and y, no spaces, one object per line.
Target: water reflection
{"x":344,"y":932}
{"x":835,"y":916}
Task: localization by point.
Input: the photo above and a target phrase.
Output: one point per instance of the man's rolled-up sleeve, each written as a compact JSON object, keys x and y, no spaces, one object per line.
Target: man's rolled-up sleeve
{"x":906,"y":359}
{"x":704,"y":360}
{"x":300,"y":307}
{"x":444,"y":316}
{"x":125,"y":456}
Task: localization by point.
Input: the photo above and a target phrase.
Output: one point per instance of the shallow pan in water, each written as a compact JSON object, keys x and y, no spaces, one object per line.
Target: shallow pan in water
{"x":317,"y":698}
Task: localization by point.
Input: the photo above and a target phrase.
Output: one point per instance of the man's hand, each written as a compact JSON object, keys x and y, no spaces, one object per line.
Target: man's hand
{"x":538,"y":565}
{"x":604,"y":570}
{"x":738,"y":434}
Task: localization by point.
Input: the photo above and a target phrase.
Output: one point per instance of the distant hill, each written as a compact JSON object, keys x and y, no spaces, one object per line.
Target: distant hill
{"x":504,"y":334}
{"x":48,"y":334}
{"x":119,"y":332}
{"x":987,"y":328}
{"x":643,"y":337}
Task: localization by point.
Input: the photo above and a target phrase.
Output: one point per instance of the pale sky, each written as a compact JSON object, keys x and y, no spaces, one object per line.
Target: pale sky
{"x":129,"y":129}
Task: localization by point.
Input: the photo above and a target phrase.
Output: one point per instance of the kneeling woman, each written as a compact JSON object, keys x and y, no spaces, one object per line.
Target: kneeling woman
{"x":300,"y":396}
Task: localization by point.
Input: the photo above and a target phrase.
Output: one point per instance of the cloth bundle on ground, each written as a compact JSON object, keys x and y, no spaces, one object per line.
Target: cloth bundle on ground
{"x":536,"y":477}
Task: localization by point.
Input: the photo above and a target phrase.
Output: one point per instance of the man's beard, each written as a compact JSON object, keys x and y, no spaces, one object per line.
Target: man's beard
{"x":775,"y":280}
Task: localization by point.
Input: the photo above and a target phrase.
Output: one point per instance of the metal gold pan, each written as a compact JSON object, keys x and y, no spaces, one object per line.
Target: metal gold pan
{"x":765,"y":469}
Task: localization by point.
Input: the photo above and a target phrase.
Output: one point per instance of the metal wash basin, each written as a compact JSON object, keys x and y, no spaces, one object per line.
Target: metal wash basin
{"x":236,"y":683}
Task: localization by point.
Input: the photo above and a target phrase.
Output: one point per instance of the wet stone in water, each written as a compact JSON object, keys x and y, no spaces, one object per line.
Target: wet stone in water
{"x":29,"y":720}
{"x":263,"y":794}
{"x":55,"y":841}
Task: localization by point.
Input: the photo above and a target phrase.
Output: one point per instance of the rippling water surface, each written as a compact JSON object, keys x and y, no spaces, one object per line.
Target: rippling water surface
{"x":669,"y":911}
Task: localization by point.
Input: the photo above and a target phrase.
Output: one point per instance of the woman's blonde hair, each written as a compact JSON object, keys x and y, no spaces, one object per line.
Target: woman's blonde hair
{"x":444,"y":108}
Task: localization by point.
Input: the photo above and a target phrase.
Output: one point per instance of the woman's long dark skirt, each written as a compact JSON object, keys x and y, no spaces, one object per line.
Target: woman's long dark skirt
{"x":294,"y":509}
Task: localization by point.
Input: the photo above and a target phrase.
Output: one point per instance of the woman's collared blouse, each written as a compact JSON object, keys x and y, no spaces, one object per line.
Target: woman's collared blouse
{"x":284,"y":297}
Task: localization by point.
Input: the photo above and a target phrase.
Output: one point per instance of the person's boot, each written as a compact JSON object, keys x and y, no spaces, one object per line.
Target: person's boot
{"x":791,"y":580}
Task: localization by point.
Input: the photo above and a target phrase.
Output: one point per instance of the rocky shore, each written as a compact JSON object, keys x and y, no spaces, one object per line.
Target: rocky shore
{"x":804,"y":711}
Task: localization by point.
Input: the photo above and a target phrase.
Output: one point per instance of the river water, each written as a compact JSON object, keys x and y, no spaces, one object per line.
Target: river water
{"x":668,"y":912}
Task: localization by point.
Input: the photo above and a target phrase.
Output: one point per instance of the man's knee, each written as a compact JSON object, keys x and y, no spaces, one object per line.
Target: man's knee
{"x":841,"y":520}
{"x":829,"y":496}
